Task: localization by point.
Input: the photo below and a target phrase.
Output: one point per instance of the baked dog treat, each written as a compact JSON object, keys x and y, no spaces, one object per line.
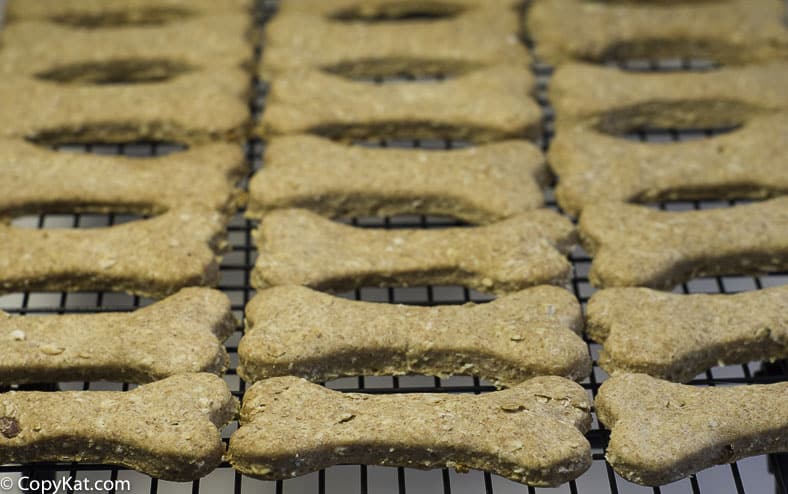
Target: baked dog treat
{"x":292,"y":330}
{"x":34,"y":179}
{"x":663,"y":431}
{"x":180,"y":334}
{"x":615,"y":101}
{"x":637,"y":246}
{"x":129,"y":54}
{"x":51,"y":113}
{"x":447,"y":47}
{"x":379,"y":11}
{"x":728,"y":31}
{"x":298,"y":247}
{"x":676,"y":337}
{"x":483,"y":105}
{"x":112,"y":13}
{"x":593,"y":167}
{"x":167,"y":429}
{"x":532,"y":433}
{"x":153,"y":257}
{"x":480,"y":184}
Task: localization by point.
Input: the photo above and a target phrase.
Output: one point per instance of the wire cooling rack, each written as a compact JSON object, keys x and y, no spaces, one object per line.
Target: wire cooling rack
{"x":753,"y":475}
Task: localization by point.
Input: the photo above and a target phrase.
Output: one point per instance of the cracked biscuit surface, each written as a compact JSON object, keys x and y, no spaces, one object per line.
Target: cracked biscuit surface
{"x":298,"y":247}
{"x":167,"y":429}
{"x":481,"y":184}
{"x":663,"y":431}
{"x":532,"y":433}
{"x":293,"y":330}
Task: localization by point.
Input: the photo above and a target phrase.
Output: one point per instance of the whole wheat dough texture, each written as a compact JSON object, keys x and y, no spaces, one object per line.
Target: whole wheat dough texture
{"x":480,"y":184}
{"x":192,"y":109}
{"x":293,"y":330}
{"x":663,"y":431}
{"x":127,"y":54}
{"x":637,"y":246}
{"x":594,"y":167}
{"x":532,"y":433}
{"x":167,"y":429}
{"x":615,"y":101}
{"x":34,"y":179}
{"x":91,"y":14}
{"x":480,"y":106}
{"x":382,"y":11}
{"x":180,"y":334}
{"x":297,"y":247}
{"x":725,"y":31}
{"x":153,"y":257}
{"x":676,"y":337}
{"x":447,"y":47}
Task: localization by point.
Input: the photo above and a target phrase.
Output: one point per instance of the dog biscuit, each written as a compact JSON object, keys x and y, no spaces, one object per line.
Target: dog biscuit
{"x":663,"y":431}
{"x":480,"y":185}
{"x":301,"y":248}
{"x":167,"y":429}
{"x":615,"y":101}
{"x":293,"y":330}
{"x":50,"y":113}
{"x":152,"y":257}
{"x":34,"y":179}
{"x":637,"y":246}
{"x":676,"y":337}
{"x":141,"y":54}
{"x":180,"y":334}
{"x":593,"y":167}
{"x":728,"y":31}
{"x":93,"y":14}
{"x":483,"y":105}
{"x":532,"y":433}
{"x":380,"y":11}
{"x":417,"y":48}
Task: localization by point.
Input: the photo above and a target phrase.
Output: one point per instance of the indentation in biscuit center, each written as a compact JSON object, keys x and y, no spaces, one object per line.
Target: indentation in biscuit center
{"x":124,"y":71}
{"x":398,"y":11}
{"x":9,"y":427}
{"x":150,"y":16}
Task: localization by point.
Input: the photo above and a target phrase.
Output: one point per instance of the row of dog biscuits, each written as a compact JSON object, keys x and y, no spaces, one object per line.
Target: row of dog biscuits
{"x":322,"y":97}
{"x":661,"y":431}
{"x":115,"y":71}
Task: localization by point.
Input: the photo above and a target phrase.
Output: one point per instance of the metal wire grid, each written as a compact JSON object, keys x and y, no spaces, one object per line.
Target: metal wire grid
{"x":745,"y":476}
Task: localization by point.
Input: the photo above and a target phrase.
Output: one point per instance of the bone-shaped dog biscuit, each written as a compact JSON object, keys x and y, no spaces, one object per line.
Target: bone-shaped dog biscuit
{"x":153,"y":257}
{"x":593,"y":167}
{"x":293,"y":330}
{"x":314,"y":102}
{"x":166,"y":429}
{"x":637,"y":246}
{"x":34,"y":179}
{"x":616,"y":101}
{"x":356,"y":49}
{"x":532,"y":433}
{"x":110,"y":13}
{"x":379,"y":11}
{"x":180,"y":334}
{"x":480,"y":184}
{"x":51,"y":113}
{"x":663,"y":431}
{"x":675,"y":337}
{"x":298,"y":247}
{"x":728,"y":31}
{"x":108,"y":55}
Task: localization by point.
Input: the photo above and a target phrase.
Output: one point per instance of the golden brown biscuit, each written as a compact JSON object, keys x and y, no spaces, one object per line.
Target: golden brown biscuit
{"x":329,"y":105}
{"x":378,"y":11}
{"x":167,"y":429}
{"x":532,"y":433}
{"x":480,"y":184}
{"x":663,"y":431}
{"x":725,"y":31}
{"x":153,"y":257}
{"x":180,"y":334}
{"x":676,"y":337}
{"x":34,"y":179}
{"x":298,"y":247}
{"x":637,"y":246}
{"x":292,"y":330}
